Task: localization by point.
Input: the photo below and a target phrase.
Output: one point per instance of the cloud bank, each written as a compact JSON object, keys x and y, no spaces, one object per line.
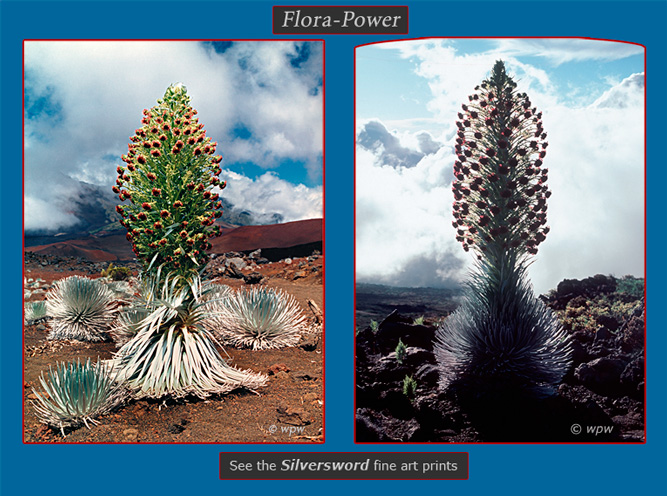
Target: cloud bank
{"x":595,"y":162}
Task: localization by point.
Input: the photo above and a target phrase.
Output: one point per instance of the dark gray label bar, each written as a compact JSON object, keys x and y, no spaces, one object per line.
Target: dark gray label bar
{"x":340,"y":20}
{"x":344,"y":466}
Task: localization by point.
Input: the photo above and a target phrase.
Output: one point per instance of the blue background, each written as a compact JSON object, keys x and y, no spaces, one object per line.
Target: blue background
{"x":170,"y":469}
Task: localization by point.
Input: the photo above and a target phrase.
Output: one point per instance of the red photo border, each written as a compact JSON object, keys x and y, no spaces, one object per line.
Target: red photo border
{"x":355,"y":232}
{"x":323,"y":340}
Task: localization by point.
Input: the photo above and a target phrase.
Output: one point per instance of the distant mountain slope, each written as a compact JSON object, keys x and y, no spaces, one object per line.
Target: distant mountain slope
{"x":284,"y":235}
{"x":275,"y":240}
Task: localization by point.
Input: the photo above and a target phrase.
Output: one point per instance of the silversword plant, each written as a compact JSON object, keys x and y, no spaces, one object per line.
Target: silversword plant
{"x":501,"y":338}
{"x":82,"y":309}
{"x":75,"y":394}
{"x":259,"y":318}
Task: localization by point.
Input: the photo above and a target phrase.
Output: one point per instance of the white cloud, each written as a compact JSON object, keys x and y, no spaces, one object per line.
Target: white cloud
{"x":95,"y":92}
{"x":269,"y":194}
{"x":595,"y":162}
{"x":559,"y":51}
{"x":402,"y":236}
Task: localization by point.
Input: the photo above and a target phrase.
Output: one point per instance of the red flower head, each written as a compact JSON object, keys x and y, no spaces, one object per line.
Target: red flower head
{"x":155,"y":153}
{"x":151,"y":176}
{"x":146,"y":206}
{"x":178,"y":204}
{"x":157,"y":225}
{"x":142,"y":216}
{"x":164,"y":214}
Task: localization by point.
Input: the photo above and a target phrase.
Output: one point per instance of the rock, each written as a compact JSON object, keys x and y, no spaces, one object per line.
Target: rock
{"x":282,"y":376}
{"x":601,"y":375}
{"x":131,"y":435}
{"x":308,"y":342}
{"x":310,"y":397}
{"x":236,"y":262}
{"x":253,"y":278}
{"x":608,"y":322}
{"x":278,"y":367}
{"x":603,"y":334}
{"x":375,"y":426}
{"x":632,"y":377}
{"x":293,"y":416}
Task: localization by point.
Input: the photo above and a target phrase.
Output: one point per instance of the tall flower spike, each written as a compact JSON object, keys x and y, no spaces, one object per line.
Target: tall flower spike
{"x":501,"y":340}
{"x":503,"y":171}
{"x":158,"y":182}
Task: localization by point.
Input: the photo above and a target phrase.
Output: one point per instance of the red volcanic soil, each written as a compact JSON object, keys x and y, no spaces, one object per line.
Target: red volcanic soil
{"x":270,"y":236}
{"x":114,"y":247}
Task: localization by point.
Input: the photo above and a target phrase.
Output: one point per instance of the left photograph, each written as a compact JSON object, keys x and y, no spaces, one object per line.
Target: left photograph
{"x":173,"y":241}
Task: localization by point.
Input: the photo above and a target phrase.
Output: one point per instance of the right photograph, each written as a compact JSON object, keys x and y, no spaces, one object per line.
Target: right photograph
{"x":500,"y":241}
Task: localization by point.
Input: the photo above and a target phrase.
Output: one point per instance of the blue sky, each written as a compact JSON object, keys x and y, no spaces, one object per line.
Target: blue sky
{"x":407,"y":95}
{"x":261,"y":101}
{"x":578,"y":82}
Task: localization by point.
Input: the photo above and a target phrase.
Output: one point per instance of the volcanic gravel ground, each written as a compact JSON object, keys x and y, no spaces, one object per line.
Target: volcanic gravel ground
{"x":288,"y":410}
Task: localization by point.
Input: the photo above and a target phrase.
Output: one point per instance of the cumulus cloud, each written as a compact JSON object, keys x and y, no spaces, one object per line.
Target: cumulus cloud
{"x":596,"y":174}
{"x":403,"y":237}
{"x":261,"y":101}
{"x":268,"y":194}
{"x":396,"y":150}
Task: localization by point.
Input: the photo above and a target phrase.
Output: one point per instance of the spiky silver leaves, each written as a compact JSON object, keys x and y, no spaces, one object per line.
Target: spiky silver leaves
{"x":82,"y":309}
{"x":259,"y":318}
{"x":502,"y":340}
{"x":34,"y":312}
{"x":172,"y":353}
{"x":76,"y":394}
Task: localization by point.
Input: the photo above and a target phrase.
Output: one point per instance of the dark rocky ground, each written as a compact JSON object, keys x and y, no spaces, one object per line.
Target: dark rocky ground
{"x":602,"y":394}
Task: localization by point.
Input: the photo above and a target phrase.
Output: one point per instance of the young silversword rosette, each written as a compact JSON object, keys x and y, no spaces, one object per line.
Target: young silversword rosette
{"x":502,"y":340}
{"x":259,"y":318}
{"x":168,"y":183}
{"x":82,"y":309}
{"x":76,"y":394}
{"x":500,"y":191}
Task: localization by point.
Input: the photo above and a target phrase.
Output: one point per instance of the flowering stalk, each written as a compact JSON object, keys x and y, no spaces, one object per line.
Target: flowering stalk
{"x":500,"y":186}
{"x":168,"y":179}
{"x":501,"y":338}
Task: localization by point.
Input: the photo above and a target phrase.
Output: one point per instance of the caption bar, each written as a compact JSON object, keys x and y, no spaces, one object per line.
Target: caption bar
{"x":340,"y":20}
{"x":343,"y":466}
